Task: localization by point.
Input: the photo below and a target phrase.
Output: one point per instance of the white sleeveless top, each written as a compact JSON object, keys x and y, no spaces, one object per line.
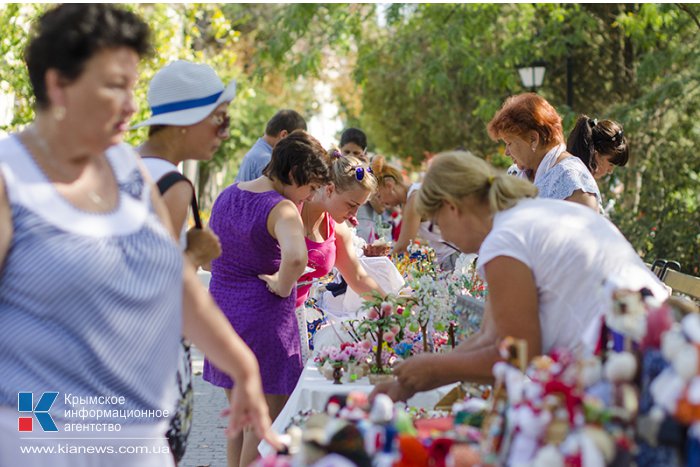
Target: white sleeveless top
{"x":156,"y":169}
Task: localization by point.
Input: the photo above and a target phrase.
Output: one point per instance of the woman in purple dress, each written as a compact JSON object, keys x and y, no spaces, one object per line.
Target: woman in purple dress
{"x":263,"y":255}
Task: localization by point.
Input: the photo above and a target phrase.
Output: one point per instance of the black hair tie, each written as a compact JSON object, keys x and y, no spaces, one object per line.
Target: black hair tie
{"x":592,"y":122}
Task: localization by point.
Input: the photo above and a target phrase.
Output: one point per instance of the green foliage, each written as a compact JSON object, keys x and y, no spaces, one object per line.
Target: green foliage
{"x":433,"y":77}
{"x":202,"y":33}
{"x":428,"y":77}
{"x":660,"y":206}
{"x":15,"y":21}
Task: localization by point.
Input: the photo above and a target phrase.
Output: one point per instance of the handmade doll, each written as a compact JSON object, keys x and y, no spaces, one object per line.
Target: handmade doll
{"x":509,"y":376}
{"x":660,"y":437}
{"x":529,"y":422}
{"x":676,"y":391}
{"x":380,"y":434}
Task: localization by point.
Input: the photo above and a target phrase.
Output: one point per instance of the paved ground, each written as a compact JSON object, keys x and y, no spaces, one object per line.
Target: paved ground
{"x":207,"y":445}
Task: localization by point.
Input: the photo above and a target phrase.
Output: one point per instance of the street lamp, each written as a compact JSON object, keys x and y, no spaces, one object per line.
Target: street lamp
{"x":532,"y":75}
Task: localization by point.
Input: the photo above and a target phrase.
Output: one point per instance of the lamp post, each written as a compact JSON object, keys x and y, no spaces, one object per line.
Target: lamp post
{"x":532,"y":75}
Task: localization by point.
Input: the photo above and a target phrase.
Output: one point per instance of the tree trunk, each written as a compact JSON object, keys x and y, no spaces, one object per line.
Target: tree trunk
{"x":203,"y":177}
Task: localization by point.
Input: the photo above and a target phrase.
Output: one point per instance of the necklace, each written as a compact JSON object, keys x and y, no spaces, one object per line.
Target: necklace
{"x":41,"y":143}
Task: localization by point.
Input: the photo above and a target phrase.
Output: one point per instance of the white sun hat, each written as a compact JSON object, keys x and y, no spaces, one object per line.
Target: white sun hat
{"x":184,"y":93}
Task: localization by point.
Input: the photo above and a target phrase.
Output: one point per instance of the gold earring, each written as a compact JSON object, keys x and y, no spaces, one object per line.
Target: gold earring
{"x":59,"y":113}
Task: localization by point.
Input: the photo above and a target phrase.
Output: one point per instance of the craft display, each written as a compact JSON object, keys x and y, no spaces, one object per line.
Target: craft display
{"x":636,"y":401}
{"x":428,"y":315}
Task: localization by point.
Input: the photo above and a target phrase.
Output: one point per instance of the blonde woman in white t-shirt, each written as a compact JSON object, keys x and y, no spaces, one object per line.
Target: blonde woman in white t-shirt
{"x":544,"y":261}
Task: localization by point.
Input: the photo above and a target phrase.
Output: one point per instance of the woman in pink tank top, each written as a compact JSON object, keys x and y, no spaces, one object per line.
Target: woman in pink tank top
{"x":328,"y":238}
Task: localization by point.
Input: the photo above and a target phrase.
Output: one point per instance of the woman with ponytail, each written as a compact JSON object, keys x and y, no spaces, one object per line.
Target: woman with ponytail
{"x":601,"y":145}
{"x":392,"y":189}
{"x":543,"y":270}
{"x":532,"y":131}
{"x":394,"y":192}
{"x":328,"y":238}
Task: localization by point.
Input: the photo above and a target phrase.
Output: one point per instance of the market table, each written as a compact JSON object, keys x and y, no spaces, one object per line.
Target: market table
{"x":313,"y":390}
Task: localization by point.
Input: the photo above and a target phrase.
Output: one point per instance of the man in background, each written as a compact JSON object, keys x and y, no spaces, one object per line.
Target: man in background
{"x":280,"y":125}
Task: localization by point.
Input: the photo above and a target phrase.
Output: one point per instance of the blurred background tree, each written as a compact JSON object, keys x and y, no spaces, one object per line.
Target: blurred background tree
{"x":422,"y":78}
{"x":430,"y":76}
{"x":221,"y":36}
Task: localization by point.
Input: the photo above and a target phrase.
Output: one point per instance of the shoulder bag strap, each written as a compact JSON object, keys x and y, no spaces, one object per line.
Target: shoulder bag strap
{"x":171,"y":178}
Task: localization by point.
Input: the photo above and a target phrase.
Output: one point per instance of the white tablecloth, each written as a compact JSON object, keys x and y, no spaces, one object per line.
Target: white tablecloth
{"x":313,"y":390}
{"x":347,"y":305}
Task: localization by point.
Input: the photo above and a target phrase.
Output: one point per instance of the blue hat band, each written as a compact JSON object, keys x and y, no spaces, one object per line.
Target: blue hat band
{"x":184,"y":105}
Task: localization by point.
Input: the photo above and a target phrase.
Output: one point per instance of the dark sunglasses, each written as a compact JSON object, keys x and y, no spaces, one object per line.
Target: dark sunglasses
{"x":360,"y":172}
{"x":222,"y":122}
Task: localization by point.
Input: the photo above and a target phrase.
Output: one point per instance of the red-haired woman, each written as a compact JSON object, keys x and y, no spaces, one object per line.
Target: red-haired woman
{"x":532,"y":131}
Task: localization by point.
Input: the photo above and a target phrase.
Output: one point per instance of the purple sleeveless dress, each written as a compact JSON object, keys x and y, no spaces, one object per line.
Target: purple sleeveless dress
{"x":266,"y":322}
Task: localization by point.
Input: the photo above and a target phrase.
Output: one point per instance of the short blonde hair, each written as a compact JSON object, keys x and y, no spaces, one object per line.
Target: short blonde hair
{"x":345,"y":171}
{"x":455,"y":175}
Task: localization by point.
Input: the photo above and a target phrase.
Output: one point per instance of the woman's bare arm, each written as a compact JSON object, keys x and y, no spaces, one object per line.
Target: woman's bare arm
{"x":349,"y":265}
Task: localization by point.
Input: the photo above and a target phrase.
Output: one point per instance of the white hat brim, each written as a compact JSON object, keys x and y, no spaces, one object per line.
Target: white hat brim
{"x":190,"y":116}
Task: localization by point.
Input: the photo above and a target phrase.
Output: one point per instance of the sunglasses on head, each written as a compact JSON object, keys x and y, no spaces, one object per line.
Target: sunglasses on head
{"x":360,"y":172}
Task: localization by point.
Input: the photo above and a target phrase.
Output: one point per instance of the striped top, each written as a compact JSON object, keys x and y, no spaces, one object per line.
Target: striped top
{"x":90,"y":304}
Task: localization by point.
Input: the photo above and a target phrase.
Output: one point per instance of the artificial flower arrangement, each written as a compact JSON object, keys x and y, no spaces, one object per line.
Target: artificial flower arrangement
{"x":417,"y":260}
{"x":437,"y":294}
{"x":434,"y":306}
{"x":468,"y":294}
{"x":422,"y":318}
{"x":409,"y":343}
{"x":384,"y":324}
{"x":371,"y":352}
{"x":352,"y":357}
{"x":468,"y":278}
{"x":436,"y":312}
